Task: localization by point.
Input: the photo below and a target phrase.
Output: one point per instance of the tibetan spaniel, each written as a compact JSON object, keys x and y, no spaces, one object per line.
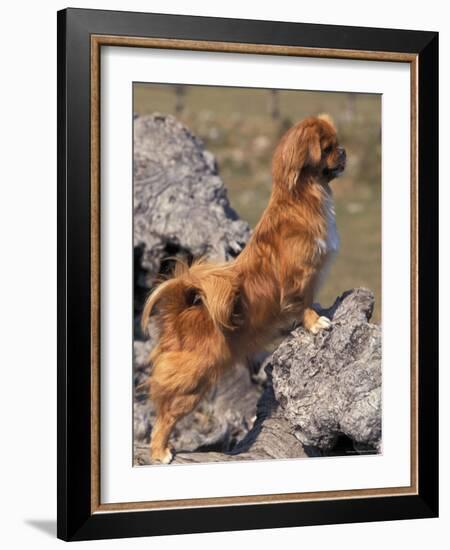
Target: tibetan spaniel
{"x":211,"y":316}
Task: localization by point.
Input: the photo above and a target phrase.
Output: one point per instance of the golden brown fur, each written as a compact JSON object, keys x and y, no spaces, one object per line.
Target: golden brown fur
{"x":212,"y":315}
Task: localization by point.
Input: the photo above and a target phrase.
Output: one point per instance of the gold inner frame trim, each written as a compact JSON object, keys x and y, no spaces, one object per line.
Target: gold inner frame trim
{"x":97,"y":41}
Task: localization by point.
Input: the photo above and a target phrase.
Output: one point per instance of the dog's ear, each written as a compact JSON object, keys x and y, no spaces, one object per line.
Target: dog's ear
{"x":299,"y":149}
{"x":312,"y":140}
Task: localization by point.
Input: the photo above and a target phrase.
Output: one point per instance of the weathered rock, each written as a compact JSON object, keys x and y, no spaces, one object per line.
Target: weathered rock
{"x":330,"y":384}
{"x":180,"y":202}
{"x":270,"y":437}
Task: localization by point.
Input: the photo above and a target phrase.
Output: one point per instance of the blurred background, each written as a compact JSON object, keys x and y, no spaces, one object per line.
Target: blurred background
{"x":241,"y":127}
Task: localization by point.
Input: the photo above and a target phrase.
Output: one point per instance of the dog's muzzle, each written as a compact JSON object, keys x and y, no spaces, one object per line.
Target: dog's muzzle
{"x":342,"y":160}
{"x":337,"y":170}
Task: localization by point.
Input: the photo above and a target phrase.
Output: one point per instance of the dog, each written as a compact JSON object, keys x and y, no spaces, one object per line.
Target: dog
{"x":211,"y":316}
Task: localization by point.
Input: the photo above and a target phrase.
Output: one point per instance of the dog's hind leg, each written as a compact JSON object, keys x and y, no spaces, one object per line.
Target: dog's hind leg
{"x":178,"y":381}
{"x":170,"y":412}
{"x":160,"y":453}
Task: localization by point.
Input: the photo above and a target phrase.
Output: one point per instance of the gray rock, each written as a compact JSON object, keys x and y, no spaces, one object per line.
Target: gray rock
{"x":270,"y":437}
{"x":330,"y":384}
{"x":180,"y":202}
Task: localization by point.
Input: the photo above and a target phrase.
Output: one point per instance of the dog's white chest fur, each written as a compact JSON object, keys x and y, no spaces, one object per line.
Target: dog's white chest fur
{"x":329,"y":247}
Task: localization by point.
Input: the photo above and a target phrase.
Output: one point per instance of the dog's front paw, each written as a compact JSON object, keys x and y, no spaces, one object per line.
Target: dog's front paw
{"x":322,"y":323}
{"x":162,"y":457}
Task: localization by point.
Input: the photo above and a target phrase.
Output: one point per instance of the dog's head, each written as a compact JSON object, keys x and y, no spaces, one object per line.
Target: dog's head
{"x":310,"y":149}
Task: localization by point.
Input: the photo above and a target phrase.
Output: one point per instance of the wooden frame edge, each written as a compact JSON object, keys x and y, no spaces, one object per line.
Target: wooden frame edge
{"x":254,"y":499}
{"x":236,"y":47}
{"x":95,"y":273}
{"x":414,"y":277}
{"x":128,"y":41}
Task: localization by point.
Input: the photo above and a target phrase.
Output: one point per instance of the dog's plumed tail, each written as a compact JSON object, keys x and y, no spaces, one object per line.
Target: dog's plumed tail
{"x":163,"y":289}
{"x":201,"y":290}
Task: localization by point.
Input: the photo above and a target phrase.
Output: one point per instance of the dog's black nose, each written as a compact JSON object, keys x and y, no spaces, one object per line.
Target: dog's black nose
{"x":342,"y":153}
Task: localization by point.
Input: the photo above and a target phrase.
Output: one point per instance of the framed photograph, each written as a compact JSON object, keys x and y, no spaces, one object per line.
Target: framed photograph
{"x":247,"y":256}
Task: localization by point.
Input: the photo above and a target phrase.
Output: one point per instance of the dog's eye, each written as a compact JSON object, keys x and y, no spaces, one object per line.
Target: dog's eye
{"x":328,"y":149}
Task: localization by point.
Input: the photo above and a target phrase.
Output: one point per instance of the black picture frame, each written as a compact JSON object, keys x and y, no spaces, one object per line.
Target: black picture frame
{"x":76,"y":521}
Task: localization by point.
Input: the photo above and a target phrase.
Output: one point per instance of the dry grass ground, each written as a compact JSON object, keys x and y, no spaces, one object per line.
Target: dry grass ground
{"x":237,"y":125}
